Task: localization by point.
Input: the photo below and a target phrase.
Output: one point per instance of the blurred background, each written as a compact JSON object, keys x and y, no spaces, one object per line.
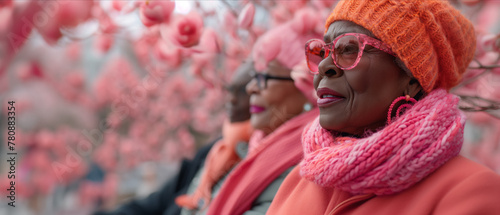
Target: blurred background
{"x":111,"y":95}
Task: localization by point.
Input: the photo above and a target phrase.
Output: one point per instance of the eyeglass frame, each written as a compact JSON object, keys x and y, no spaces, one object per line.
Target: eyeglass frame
{"x":362,"y":38}
{"x":266,"y":77}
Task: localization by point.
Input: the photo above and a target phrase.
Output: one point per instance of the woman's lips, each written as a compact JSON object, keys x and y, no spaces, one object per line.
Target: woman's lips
{"x":256,"y":109}
{"x":327,"y":97}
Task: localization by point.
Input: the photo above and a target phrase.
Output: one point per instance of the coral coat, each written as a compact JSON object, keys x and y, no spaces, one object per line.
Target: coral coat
{"x":460,"y":186}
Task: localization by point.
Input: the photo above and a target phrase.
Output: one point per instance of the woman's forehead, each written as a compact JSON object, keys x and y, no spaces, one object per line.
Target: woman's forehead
{"x":342,"y":27}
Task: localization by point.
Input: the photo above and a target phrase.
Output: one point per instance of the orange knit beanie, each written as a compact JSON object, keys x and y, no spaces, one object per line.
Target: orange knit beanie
{"x":432,"y":38}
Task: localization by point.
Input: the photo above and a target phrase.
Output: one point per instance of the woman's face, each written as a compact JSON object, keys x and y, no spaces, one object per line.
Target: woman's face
{"x":363,"y":93}
{"x":275,"y":103}
{"x":238,"y":101}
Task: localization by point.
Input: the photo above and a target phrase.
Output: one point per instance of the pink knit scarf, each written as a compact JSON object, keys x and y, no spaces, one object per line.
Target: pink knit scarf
{"x":392,"y":159}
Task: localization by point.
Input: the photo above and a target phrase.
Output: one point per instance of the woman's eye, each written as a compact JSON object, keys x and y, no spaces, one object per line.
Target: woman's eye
{"x":347,"y":49}
{"x":322,"y":53}
{"x":318,"y":51}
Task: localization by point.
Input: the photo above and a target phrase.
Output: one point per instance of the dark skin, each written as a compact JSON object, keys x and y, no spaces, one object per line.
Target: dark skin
{"x":368,"y":89}
{"x":238,"y":101}
{"x":281,"y":99}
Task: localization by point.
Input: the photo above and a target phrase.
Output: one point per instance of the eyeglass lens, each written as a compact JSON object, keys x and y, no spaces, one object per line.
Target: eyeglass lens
{"x":346,"y":52}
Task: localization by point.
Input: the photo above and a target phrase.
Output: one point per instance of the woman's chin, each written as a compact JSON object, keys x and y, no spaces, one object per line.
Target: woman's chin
{"x":335,"y":127}
{"x":328,"y":126}
{"x":257,"y":122}
{"x":329,"y":122}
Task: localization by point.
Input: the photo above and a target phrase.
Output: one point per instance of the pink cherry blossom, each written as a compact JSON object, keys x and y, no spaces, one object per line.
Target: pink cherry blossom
{"x":103,"y":42}
{"x":488,"y":17}
{"x":470,"y":2}
{"x":5,"y":3}
{"x":45,"y":138}
{"x":303,"y":80}
{"x":488,"y":58}
{"x":201,"y":121}
{"x":306,"y":20}
{"x":229,"y":23}
{"x":143,"y":45}
{"x":90,"y":192}
{"x":106,"y":157}
{"x":487,"y":43}
{"x":106,"y":24}
{"x":27,"y":71}
{"x":258,"y":31}
{"x":110,"y":185}
{"x":187,"y":30}
{"x":50,"y":31}
{"x":496,"y":46}
{"x":43,"y":182}
{"x":138,"y":129}
{"x":321,"y":4}
{"x":234,"y":49}
{"x":293,"y":6}
{"x":118,"y":5}
{"x":4,"y":186}
{"x":72,"y":13}
{"x":203,"y":68}
{"x":5,"y":20}
{"x":39,"y":159}
{"x":230,"y":65}
{"x":209,"y":41}
{"x":280,"y":14}
{"x":245,"y":19}
{"x":141,"y":50}
{"x":154,"y":12}
{"x":20,"y":30}
{"x":73,"y":51}
{"x":165,"y":51}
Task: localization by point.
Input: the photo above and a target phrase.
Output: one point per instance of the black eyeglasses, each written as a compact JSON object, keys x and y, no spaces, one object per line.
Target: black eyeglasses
{"x":262,"y":79}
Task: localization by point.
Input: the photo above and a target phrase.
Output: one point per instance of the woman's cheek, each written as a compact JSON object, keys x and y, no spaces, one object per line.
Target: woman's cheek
{"x":357,"y":80}
{"x":316,"y":81}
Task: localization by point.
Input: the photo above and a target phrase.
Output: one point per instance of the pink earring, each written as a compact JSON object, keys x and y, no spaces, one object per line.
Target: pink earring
{"x":407,"y":98}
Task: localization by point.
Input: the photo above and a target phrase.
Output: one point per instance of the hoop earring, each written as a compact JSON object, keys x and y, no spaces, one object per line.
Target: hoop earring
{"x":411,"y":101}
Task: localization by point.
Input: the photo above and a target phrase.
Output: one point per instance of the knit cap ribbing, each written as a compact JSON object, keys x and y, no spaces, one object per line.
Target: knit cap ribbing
{"x":434,"y":41}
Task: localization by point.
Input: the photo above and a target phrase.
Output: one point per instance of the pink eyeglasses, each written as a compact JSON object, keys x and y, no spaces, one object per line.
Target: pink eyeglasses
{"x":347,"y":51}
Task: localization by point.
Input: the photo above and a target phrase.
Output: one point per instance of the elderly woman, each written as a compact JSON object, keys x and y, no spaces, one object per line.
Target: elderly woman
{"x":388,"y":136}
{"x":281,"y":104}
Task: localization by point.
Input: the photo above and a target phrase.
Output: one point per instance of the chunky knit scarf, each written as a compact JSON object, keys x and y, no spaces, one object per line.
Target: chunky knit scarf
{"x":392,"y":159}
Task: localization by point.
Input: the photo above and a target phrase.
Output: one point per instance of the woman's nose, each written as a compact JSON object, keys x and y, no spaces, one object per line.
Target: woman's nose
{"x":327,"y":68}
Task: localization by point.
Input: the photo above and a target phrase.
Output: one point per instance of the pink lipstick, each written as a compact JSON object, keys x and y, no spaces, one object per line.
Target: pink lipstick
{"x":256,"y":109}
{"x":327,"y":97}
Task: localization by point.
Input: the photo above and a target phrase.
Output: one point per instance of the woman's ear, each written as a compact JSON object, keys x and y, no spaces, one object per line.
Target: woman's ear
{"x":413,"y":88}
